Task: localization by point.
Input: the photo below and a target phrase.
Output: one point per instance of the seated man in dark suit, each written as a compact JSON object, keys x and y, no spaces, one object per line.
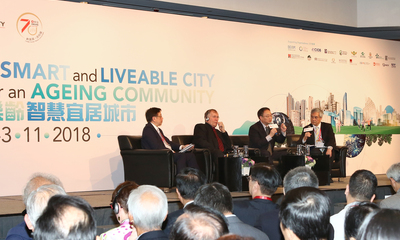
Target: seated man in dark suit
{"x":217,"y":196}
{"x":153,"y":138}
{"x":318,"y":133}
{"x":262,"y":136}
{"x":217,"y":141}
{"x":263,"y":182}
{"x":188,"y":181}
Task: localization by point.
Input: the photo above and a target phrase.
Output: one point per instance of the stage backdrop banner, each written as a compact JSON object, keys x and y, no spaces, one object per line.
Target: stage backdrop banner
{"x":75,"y":76}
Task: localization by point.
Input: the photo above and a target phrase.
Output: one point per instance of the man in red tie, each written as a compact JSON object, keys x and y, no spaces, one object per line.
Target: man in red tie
{"x":154,"y":138}
{"x":207,"y":136}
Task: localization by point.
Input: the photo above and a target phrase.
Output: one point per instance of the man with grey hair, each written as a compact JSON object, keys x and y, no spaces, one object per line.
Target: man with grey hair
{"x":21,"y":232}
{"x":37,"y":202}
{"x":319,"y":133}
{"x":300,"y":177}
{"x":393,"y":173}
{"x":148,"y":208}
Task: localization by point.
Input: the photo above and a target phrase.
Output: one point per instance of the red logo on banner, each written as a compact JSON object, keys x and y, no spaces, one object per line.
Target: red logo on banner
{"x":30,"y":27}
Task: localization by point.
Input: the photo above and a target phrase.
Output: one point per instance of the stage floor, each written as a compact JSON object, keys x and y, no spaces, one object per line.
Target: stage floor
{"x":10,"y":205}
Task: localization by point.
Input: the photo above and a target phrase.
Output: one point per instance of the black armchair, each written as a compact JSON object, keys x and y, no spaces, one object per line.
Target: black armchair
{"x":203,"y":156}
{"x":145,"y":166}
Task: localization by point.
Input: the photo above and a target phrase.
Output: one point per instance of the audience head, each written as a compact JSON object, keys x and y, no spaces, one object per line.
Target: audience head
{"x":393,"y":173}
{"x":382,"y":224}
{"x":355,"y":216}
{"x":264,"y":179}
{"x":120,"y":197}
{"x":188,"y":181}
{"x":300,"y":177}
{"x":305,"y":214}
{"x":37,"y":202}
{"x":148,"y":208}
{"x":362,"y":185}
{"x":215,"y":196}
{"x":66,"y":218}
{"x":152,"y":112}
{"x":234,"y":237}
{"x":211,"y":117}
{"x":199,"y":223}
{"x":37,"y":180}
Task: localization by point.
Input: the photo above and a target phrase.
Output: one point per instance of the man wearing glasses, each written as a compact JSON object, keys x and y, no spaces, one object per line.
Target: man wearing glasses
{"x":263,"y":134}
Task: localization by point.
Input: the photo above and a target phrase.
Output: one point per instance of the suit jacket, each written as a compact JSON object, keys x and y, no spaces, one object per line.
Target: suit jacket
{"x":153,"y":235}
{"x":257,"y":138}
{"x":391,"y":202}
{"x":19,"y":232}
{"x":152,"y":140}
{"x":171,"y":219}
{"x":240,"y":228}
{"x":327,"y":135}
{"x":204,"y":137}
{"x":249,"y":210}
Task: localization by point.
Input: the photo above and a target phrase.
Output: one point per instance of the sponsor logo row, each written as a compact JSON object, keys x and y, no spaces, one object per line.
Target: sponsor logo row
{"x":354,"y":54}
{"x":334,"y":60}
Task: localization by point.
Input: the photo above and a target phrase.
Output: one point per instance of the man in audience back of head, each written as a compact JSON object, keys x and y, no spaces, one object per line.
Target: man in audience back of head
{"x":217,"y":141}
{"x":148,"y":208}
{"x":263,"y":182}
{"x":218,"y":197}
{"x":298,"y":177}
{"x":199,"y":223}
{"x":37,"y":202}
{"x":304,"y":214}
{"x":66,"y":217}
{"x":361,"y":188}
{"x":154,"y":138}
{"x":262,"y":136}
{"x":393,"y":173}
{"x":21,"y":232}
{"x":188,"y":181}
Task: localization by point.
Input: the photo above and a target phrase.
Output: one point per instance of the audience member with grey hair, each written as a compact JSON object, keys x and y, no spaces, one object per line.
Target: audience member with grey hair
{"x":300,"y":177}
{"x":66,"y":218}
{"x":217,"y":196}
{"x":199,"y":223}
{"x":37,"y":202}
{"x":21,"y":231}
{"x":393,"y":173}
{"x":148,"y":208}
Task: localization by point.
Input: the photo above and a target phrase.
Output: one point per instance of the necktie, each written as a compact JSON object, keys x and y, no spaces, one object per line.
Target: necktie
{"x":269,"y":149}
{"x":166,"y":144}
{"x":220,"y":144}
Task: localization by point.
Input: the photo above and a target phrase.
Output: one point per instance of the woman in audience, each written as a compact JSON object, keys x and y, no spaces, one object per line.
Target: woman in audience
{"x":119,"y":206}
{"x":355,"y":217}
{"x":384,"y":224}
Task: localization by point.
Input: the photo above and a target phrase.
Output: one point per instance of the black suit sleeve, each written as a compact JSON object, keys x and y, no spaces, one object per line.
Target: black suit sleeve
{"x":201,"y":138}
{"x":328,"y":136}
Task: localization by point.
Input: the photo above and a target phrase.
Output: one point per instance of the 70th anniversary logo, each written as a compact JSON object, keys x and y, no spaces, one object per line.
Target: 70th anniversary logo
{"x":30,"y":27}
